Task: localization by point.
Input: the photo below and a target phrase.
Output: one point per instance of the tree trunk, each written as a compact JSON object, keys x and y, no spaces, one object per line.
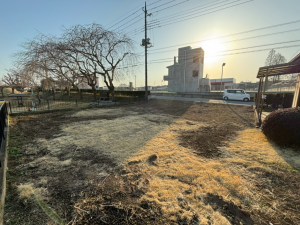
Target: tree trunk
{"x":2,"y":92}
{"x":95,"y":92}
{"x":53,"y":92}
{"x":78,"y":90}
{"x":38,"y":96}
{"x":69,"y":91}
{"x":112,"y":92}
{"x":13,"y":90}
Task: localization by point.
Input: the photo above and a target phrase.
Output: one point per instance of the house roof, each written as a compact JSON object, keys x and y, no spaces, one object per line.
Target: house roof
{"x":296,"y":58}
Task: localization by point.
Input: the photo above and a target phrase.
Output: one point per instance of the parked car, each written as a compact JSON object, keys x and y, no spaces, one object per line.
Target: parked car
{"x":236,"y":94}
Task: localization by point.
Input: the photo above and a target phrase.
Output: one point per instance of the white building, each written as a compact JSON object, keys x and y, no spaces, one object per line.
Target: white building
{"x":186,"y":75}
{"x":83,"y":84}
{"x":227,"y":83}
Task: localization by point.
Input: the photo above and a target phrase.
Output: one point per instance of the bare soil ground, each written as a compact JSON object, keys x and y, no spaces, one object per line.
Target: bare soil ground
{"x":161,"y":162}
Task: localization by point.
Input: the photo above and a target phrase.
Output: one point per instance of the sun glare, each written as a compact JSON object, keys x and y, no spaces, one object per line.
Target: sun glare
{"x":211,"y":49}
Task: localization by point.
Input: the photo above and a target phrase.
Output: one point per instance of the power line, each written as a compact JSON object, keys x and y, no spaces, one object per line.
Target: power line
{"x":170,"y":6}
{"x":124,"y":15}
{"x":194,"y":10}
{"x":129,"y":21}
{"x":165,"y":24}
{"x":127,"y":13}
{"x":235,"y":53}
{"x":259,"y":50}
{"x":154,"y":2}
{"x":141,"y":28}
{"x":161,"y":5}
{"x":229,"y":35}
{"x":149,"y":9}
{"x":265,"y":35}
{"x":295,"y":54}
{"x":204,"y":14}
{"x":249,"y":47}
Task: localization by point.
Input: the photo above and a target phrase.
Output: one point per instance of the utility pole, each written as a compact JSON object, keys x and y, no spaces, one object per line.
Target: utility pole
{"x":222,"y":76}
{"x":145,"y":43}
{"x":184,"y":71}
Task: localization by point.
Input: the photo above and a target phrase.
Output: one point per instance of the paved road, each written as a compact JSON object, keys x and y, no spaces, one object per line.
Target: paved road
{"x":202,"y":100}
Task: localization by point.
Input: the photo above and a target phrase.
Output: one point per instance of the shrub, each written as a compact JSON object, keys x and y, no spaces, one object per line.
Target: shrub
{"x":283,"y":126}
{"x":102,"y":93}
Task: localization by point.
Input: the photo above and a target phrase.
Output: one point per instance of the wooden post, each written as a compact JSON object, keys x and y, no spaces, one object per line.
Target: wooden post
{"x":10,"y":107}
{"x":262,"y":100}
{"x":258,"y":94}
{"x":297,"y":93}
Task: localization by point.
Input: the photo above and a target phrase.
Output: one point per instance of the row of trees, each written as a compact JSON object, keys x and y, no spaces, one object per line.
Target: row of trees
{"x":81,"y":53}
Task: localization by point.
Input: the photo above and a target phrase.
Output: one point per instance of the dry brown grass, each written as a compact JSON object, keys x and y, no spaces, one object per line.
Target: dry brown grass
{"x":179,"y":170}
{"x":180,"y":181}
{"x":180,"y":176}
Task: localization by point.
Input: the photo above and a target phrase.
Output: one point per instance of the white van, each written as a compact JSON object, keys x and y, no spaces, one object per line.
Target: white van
{"x":236,"y":94}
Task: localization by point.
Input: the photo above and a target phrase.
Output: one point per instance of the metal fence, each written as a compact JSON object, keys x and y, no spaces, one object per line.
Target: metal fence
{"x":3,"y":124}
{"x":42,"y":105}
{"x":16,"y":106}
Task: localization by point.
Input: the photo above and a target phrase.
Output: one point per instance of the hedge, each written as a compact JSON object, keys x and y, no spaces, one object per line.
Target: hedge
{"x":117,"y":93}
{"x":276,"y":99}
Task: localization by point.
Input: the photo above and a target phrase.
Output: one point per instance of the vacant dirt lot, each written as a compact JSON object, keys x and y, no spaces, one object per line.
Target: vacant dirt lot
{"x":162,"y":162}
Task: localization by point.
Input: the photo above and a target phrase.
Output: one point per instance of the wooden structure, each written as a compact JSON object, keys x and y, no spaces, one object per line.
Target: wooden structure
{"x":268,"y":71}
{"x":296,"y":101}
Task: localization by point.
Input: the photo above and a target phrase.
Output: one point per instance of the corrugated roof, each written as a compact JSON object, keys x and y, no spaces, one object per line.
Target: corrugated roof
{"x":280,"y":69}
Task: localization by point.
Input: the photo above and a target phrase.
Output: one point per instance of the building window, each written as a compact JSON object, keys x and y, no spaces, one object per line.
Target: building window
{"x":195,"y":59}
{"x":195,"y":73}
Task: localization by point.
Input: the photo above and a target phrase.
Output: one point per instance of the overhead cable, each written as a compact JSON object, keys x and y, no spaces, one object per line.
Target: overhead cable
{"x":229,"y":35}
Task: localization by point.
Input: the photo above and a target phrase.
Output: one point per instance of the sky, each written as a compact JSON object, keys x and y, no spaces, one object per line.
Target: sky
{"x":23,"y":20}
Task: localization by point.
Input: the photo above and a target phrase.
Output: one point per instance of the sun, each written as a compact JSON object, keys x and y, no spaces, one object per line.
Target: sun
{"x":211,"y":49}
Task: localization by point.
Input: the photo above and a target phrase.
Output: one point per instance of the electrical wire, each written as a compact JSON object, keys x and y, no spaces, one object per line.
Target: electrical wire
{"x":229,"y":35}
{"x":195,"y":9}
{"x":265,"y":35}
{"x":294,"y":55}
{"x":170,"y":6}
{"x":257,"y":46}
{"x":162,"y":5}
{"x":188,"y":18}
{"x":127,"y":13}
{"x":124,"y":15}
{"x":140,"y":29}
{"x":165,"y":24}
{"x":130,"y":21}
{"x":154,"y":2}
{"x":235,"y":53}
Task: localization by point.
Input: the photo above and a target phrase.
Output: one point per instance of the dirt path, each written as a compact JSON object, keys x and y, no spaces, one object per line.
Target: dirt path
{"x":162,"y":162}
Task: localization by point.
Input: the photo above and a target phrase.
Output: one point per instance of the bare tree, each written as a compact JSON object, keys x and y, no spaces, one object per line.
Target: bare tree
{"x":98,"y":52}
{"x":46,"y":52}
{"x":82,"y":51}
{"x":12,"y":79}
{"x":274,"y":59}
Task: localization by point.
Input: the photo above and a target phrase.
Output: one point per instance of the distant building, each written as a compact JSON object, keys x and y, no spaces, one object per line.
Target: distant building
{"x":149,"y":88}
{"x":227,"y":83}
{"x":186,"y":75}
{"x":247,"y":85}
{"x":83,"y":84}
